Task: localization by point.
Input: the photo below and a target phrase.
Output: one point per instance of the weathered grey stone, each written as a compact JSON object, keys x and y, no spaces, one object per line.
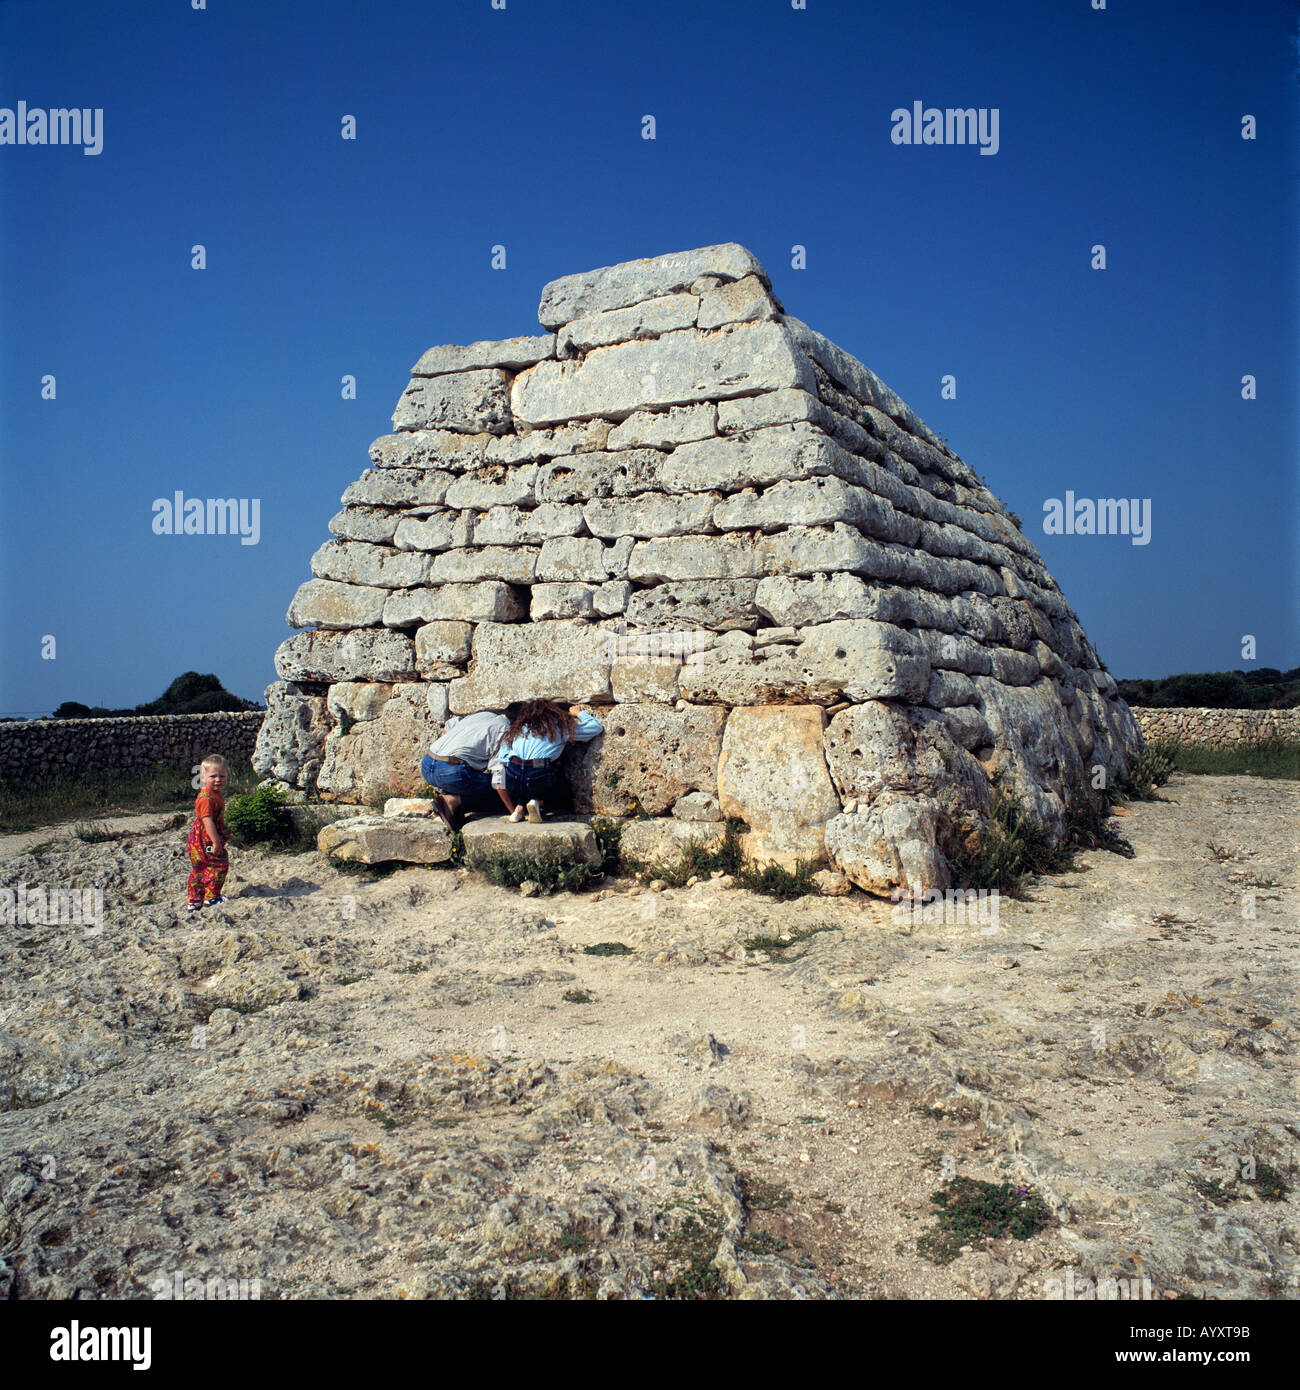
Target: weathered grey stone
{"x":629,"y":282}
{"x":385,"y":839}
{"x":511,"y":353}
{"x":326,"y":603}
{"x":465,"y":402}
{"x":562,"y":601}
{"x":651,"y":514}
{"x":534,"y":661}
{"x":513,"y":564}
{"x":891,"y":846}
{"x":742,"y":301}
{"x":649,"y":319}
{"x":583,"y":559}
{"x":409,"y":806}
{"x":508,"y":526}
{"x":490,"y":601}
{"x":381,"y":757}
{"x":442,"y":649}
{"x":365,"y":654}
{"x":814,"y":502}
{"x":601,"y":474}
{"x":697,"y":806}
{"x":291,"y":739}
{"x":772,"y":774}
{"x":649,"y":753}
{"x":720,"y":604}
{"x":779,"y":454}
{"x":444,"y":530}
{"x":677,"y":369}
{"x":364,"y":524}
{"x":662,"y":842}
{"x":611,"y":597}
{"x":495,"y":485}
{"x":536,"y":445}
{"x":662,"y":429}
{"x":821,"y":598}
{"x":357,"y":700}
{"x":693,"y":557}
{"x":856,"y":659}
{"x":786,"y":406}
{"x":498,"y":837}
{"x":636,"y":681}
{"x":355,"y":562}
{"x":398,"y":487}
{"x":429,"y":449}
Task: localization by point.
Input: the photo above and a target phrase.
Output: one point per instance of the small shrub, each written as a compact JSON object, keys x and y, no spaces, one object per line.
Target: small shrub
{"x":1153,"y":769}
{"x":973,"y":1212}
{"x":608,"y":948}
{"x":261,"y":817}
{"x":779,"y":882}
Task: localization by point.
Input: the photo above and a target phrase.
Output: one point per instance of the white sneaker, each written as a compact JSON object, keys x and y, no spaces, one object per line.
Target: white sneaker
{"x":516,"y":815}
{"x":535,"y":812}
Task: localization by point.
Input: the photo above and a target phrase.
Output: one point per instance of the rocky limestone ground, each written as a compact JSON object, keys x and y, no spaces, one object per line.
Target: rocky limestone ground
{"x":393,"y":1089}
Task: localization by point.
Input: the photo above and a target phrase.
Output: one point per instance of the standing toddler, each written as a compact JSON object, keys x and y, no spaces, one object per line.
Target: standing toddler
{"x":208,"y":836}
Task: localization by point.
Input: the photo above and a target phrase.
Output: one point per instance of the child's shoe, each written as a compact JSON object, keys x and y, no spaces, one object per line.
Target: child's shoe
{"x":214,"y":902}
{"x":516,"y":815}
{"x":194,"y":907}
{"x":535,"y":812}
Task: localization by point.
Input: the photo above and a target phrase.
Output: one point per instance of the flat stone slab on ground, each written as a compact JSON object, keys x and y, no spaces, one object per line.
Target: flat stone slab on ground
{"x":385,"y":839}
{"x":497,"y":835}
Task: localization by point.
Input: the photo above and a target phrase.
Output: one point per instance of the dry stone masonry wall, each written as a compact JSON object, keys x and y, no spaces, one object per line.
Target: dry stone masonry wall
{"x":34,"y":750}
{"x":1218,"y":728}
{"x":788,"y":598}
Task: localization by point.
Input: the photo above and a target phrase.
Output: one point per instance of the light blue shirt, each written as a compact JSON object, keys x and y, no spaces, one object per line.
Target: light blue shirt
{"x":529,"y":745}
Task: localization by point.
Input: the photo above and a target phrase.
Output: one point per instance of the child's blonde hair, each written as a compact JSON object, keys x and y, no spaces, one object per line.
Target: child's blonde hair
{"x":214,"y":762}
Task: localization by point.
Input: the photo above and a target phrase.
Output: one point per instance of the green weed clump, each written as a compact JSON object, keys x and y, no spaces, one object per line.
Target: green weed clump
{"x":552,"y":867}
{"x":261,"y":817}
{"x":1153,"y":769}
{"x":1013,"y":846}
{"x":608,"y":834}
{"x":972,"y":1212}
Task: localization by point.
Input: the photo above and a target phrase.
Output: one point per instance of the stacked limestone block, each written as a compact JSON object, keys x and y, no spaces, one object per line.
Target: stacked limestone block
{"x":680,"y":504}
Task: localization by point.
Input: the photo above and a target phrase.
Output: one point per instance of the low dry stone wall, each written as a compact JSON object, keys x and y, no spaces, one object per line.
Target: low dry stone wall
{"x":33,"y":749}
{"x":1217,"y":728}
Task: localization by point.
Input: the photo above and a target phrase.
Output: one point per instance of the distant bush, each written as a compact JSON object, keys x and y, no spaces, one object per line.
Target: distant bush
{"x":1266,"y":688}
{"x":190,"y":693}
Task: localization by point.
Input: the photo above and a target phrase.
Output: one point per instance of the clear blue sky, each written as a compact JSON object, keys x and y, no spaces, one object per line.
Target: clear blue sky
{"x":523,"y":127}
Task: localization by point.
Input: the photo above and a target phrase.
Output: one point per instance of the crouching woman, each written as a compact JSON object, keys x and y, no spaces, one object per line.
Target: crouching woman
{"x":538,"y":733}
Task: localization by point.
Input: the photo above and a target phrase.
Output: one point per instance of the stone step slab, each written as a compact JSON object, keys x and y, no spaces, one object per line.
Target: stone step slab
{"x":560,"y":660}
{"x":678,"y":369}
{"x":357,"y":562}
{"x":385,"y":839}
{"x":630,"y":282}
{"x":398,"y":487}
{"x":329,"y":604}
{"x":490,"y":601}
{"x":463,"y":402}
{"x":494,"y":835}
{"x":429,"y":450}
{"x":364,"y":654}
{"x":509,"y":353}
{"x":650,"y":319}
{"x":663,"y":429}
